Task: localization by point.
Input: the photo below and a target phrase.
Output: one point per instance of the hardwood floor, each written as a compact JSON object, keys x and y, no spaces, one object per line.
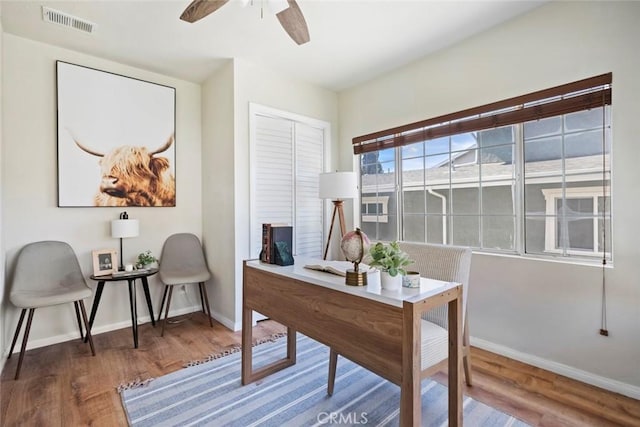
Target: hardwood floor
{"x":62,"y":385}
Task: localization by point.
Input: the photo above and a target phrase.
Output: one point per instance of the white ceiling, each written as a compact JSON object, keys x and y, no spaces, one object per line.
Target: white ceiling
{"x":351,"y":41}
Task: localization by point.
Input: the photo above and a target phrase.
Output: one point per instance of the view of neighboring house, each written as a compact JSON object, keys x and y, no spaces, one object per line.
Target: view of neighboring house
{"x":464,"y":189}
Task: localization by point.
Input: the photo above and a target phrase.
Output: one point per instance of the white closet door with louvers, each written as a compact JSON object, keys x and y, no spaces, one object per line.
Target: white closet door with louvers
{"x":286,"y":156}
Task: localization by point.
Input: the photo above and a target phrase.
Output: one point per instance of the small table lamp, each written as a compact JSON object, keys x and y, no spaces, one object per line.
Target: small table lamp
{"x":124,"y":227}
{"x":338,"y":186}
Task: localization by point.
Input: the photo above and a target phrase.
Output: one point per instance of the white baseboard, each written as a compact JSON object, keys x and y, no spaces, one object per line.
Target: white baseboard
{"x":559,"y":368}
{"x":43,"y":342}
{"x":230,"y":324}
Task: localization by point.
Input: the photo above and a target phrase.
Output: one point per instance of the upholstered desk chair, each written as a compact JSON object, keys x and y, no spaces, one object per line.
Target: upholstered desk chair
{"x":182,"y":262}
{"x":46,"y":274}
{"x":440,"y":262}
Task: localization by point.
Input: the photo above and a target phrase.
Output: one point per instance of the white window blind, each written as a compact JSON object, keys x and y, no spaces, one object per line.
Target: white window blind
{"x":287,"y":157}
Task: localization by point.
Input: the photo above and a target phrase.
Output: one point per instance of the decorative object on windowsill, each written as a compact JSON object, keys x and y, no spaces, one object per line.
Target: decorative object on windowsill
{"x":337,"y":186}
{"x":354,"y":245}
{"x":145,"y":259}
{"x":391,"y":261}
{"x":124,"y":227}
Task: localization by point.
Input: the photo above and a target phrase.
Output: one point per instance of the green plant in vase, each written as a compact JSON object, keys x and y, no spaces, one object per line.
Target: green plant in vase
{"x":391,"y":260}
{"x":145,"y":259}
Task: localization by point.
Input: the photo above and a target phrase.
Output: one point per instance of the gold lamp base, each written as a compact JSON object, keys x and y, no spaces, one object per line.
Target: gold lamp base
{"x":356,"y":278}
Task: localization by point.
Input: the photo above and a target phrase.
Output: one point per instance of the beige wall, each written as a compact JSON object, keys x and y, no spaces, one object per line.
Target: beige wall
{"x":218,"y":194}
{"x":547,"y":313}
{"x":249,"y":83}
{"x":2,"y":281}
{"x":29,"y":186}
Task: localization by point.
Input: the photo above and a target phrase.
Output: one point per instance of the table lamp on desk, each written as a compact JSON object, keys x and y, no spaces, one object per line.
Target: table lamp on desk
{"x":124,"y":228}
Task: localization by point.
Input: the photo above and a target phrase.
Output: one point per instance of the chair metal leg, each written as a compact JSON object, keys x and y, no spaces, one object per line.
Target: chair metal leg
{"x":164,"y":298}
{"x":86,"y":325}
{"x":203,"y":291}
{"x":166,"y":313}
{"x":24,"y":342}
{"x":15,"y":336}
{"x":202,"y":298}
{"x":333,"y":363}
{"x":75,"y":305}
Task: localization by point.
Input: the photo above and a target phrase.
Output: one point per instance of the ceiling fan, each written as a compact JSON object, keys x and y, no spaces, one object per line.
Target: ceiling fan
{"x":287,"y":11}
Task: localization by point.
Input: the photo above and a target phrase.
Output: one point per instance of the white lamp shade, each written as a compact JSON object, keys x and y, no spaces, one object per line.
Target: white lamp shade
{"x":124,"y":228}
{"x":338,"y":185}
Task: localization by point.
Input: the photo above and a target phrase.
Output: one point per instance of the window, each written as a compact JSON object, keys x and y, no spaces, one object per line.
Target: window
{"x":529,"y":175}
{"x":575,"y":219}
{"x":375,"y":209}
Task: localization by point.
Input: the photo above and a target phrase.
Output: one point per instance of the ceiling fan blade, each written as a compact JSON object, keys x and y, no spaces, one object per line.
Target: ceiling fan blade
{"x":198,"y":9}
{"x":293,"y":23}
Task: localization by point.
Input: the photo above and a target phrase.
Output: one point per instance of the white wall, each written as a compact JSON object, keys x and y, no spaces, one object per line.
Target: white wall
{"x":2,"y":281}
{"x":548,"y":312}
{"x":248,"y":83}
{"x":218,"y":191}
{"x":29,"y":187}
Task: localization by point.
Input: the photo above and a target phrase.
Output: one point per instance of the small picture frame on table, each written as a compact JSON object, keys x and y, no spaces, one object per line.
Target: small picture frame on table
{"x":105,"y":262}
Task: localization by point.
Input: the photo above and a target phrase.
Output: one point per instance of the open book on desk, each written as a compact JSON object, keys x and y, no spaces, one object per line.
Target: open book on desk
{"x":338,"y":267}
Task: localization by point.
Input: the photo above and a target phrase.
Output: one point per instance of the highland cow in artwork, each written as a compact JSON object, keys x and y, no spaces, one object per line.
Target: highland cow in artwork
{"x":134,"y":176}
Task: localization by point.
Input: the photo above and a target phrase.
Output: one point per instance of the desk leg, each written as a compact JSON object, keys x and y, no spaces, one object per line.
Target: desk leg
{"x":410,"y":398}
{"x":134,"y":311}
{"x":455,"y":361}
{"x":94,"y":307}
{"x":247,"y":349}
{"x":248,"y":374}
{"x":147,"y":295}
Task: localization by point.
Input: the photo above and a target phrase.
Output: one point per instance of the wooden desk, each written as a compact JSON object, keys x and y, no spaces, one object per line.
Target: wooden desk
{"x":131,"y":280}
{"x":378,"y":329}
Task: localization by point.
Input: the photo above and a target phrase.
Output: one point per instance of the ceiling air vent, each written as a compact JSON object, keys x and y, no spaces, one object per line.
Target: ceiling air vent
{"x":56,"y":17}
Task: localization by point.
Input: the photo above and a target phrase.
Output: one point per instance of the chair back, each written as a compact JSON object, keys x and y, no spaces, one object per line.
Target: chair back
{"x":182,"y":257}
{"x":46,"y":265}
{"x":441,"y":262}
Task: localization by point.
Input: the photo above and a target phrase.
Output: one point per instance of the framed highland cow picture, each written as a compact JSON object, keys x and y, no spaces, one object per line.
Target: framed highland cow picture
{"x":116,"y":139}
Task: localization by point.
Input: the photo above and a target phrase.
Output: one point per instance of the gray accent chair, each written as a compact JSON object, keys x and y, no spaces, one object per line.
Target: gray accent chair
{"x":182,"y":262}
{"x":440,"y":262}
{"x":47,"y":273}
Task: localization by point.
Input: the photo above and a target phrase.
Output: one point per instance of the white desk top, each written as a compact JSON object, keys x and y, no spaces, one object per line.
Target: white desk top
{"x":428,"y":287}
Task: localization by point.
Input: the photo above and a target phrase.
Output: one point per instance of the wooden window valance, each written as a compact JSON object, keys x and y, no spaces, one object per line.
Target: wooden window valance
{"x":568,"y":98}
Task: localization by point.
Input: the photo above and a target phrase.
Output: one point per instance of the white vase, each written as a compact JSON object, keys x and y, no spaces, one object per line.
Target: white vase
{"x":390,"y":283}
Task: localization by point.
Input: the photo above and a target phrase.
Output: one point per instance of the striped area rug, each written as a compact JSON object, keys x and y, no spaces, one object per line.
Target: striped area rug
{"x":210,"y":394}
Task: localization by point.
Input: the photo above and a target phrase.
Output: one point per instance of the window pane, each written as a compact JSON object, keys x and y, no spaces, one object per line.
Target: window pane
{"x":588,"y":119}
{"x":466,"y":231}
{"x":464,"y":142}
{"x":465,"y":201}
{"x":388,"y":230}
{"x":499,"y":232}
{"x":585,"y":144}
{"x":544,"y":127}
{"x":498,"y":200}
{"x":414,"y":229}
{"x":540,"y":150}
{"x":438,"y":201}
{"x":414,"y":202}
{"x":436,"y":225}
{"x":437,"y":146}
{"x":496,"y":137}
{"x":535,"y":234}
{"x":413,"y":150}
{"x":535,"y":202}
{"x":574,"y":233}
